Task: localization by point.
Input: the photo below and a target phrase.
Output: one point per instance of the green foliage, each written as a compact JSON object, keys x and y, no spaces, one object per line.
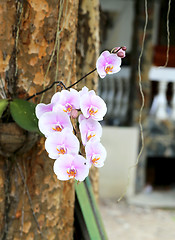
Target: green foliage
{"x":90,"y":211}
{"x":23,"y":113}
{"x":3,"y":106}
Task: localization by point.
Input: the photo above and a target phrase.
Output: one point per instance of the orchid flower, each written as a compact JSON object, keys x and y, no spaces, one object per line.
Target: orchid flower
{"x":55,"y":98}
{"x":55,"y":122}
{"x":42,"y":108}
{"x":51,"y":122}
{"x":69,"y":166}
{"x":95,"y":153}
{"x":108,"y":63}
{"x":85,"y":90}
{"x":60,"y":143}
{"x":81,"y":118}
{"x":66,"y":101}
{"x":93,"y":106}
{"x":89,"y":129}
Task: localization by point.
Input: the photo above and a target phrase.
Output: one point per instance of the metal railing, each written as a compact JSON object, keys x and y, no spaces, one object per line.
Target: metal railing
{"x":114,"y":89}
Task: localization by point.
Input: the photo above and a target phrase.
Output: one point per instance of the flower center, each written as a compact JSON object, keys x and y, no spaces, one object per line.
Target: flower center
{"x":93,"y":110}
{"x":71,"y":172}
{"x":108,"y":68}
{"x":57,"y":127}
{"x":90,"y":135}
{"x":95,"y":158}
{"x":61,"y":149}
{"x":67,"y":108}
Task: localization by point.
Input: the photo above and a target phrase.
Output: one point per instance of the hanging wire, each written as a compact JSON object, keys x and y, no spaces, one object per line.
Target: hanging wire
{"x":2,"y":89}
{"x":168,"y":36}
{"x":142,"y":104}
{"x":57,"y":43}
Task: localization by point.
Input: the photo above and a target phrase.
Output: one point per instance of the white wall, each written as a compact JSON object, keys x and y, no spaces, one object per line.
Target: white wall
{"x":123,"y":15}
{"x":121,"y":144}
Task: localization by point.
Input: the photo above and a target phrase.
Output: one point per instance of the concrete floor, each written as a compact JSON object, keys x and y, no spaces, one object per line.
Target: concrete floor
{"x":129,"y":222}
{"x":157,"y":199}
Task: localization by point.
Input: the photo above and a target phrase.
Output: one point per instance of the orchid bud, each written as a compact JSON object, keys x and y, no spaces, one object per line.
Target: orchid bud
{"x":74,"y":113}
{"x":124,"y":48}
{"x":121,"y":54}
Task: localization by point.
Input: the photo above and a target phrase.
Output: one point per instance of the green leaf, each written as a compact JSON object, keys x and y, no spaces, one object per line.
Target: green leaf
{"x":90,"y":211}
{"x":23,"y":113}
{"x":3,"y":105}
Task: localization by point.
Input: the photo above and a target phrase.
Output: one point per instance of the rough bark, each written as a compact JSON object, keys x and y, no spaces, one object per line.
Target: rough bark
{"x":87,"y":54}
{"x":31,"y":198}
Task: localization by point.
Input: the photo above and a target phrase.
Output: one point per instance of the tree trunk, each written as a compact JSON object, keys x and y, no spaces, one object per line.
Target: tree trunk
{"x":87,"y":54}
{"x":33,"y":203}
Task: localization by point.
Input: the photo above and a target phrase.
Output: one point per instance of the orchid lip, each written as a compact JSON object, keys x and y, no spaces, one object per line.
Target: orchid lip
{"x":93,"y":110}
{"x":108,"y":68}
{"x":71,"y":172}
{"x":61,"y":149}
{"x":95,"y":158}
{"x":68,"y":108}
{"x":57,"y":127}
{"x":90,"y":135}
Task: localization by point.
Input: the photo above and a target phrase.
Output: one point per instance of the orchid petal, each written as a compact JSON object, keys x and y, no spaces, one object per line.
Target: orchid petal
{"x":67,"y":101}
{"x":108,"y":63}
{"x":65,"y":139}
{"x":42,"y":108}
{"x":63,"y":165}
{"x":95,"y":153}
{"x":89,"y":129}
{"x":93,"y":106}
{"x":50,"y":120}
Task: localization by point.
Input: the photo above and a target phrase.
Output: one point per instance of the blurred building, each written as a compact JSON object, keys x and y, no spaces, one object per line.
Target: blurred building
{"x":122,"y":24}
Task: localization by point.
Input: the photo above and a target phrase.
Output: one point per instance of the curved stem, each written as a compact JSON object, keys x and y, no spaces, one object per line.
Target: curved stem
{"x":60,"y":83}
{"x":82,"y":78}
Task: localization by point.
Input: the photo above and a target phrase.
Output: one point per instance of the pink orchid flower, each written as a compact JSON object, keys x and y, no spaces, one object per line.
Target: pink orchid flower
{"x":85,"y":90}
{"x":66,"y":101}
{"x":95,"y":153}
{"x":42,"y":108}
{"x":55,"y":98}
{"x":81,"y":118}
{"x":89,"y":129}
{"x":51,"y":122}
{"x":108,"y":63}
{"x":93,"y":106}
{"x":60,"y":143}
{"x":69,"y":166}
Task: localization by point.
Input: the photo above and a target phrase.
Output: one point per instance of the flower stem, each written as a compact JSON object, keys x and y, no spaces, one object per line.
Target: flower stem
{"x":60,"y":83}
{"x":82,"y":78}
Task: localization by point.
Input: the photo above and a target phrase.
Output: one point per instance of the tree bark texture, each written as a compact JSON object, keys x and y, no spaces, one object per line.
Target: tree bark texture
{"x":87,"y":54}
{"x":33,"y":203}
